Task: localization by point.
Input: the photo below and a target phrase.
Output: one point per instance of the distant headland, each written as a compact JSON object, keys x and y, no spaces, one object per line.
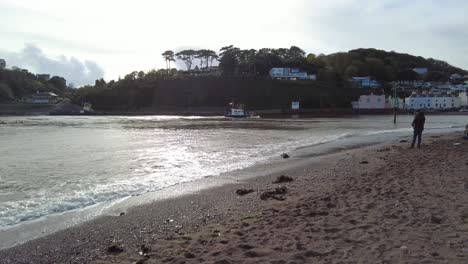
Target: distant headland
{"x":261,"y":79}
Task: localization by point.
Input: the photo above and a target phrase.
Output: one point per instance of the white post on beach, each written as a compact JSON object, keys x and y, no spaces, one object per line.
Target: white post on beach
{"x":395,"y":103}
{"x":295,"y":109}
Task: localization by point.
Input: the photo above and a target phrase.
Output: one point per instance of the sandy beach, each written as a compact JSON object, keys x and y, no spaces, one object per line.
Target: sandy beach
{"x":378,"y":204}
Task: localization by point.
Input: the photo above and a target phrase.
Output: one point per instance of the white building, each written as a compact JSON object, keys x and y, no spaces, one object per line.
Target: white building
{"x":421,"y":71}
{"x":290,"y":74}
{"x":463,"y":99}
{"x":371,"y":101}
{"x":43,"y":98}
{"x":437,"y":102}
{"x":365,"y":82}
{"x":455,"y":76}
{"x":445,"y":102}
{"x":417,"y":102}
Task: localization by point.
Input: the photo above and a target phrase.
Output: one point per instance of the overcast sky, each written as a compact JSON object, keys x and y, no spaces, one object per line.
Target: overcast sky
{"x":87,"y":39}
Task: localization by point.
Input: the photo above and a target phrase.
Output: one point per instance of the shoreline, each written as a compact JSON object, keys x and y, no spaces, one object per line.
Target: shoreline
{"x":22,"y":109}
{"x":176,"y":224}
{"x":50,"y":224}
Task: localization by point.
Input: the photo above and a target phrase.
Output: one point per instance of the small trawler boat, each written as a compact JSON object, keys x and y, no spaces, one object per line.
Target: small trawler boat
{"x":239,"y":112}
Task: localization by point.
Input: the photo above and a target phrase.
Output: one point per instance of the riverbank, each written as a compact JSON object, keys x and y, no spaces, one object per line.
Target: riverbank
{"x":377,"y":204}
{"x":64,"y":109}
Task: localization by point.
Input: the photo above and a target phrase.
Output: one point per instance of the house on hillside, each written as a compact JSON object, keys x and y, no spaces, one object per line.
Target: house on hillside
{"x":421,"y":71}
{"x":290,"y":74}
{"x":455,"y":77}
{"x":43,"y":98}
{"x":364,"y":82}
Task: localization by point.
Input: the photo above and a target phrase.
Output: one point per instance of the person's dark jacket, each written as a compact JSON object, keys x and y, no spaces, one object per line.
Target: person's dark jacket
{"x":418,"y":122}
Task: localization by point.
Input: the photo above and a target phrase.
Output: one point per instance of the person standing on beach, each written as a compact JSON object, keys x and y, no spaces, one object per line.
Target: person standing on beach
{"x":418,"y":127}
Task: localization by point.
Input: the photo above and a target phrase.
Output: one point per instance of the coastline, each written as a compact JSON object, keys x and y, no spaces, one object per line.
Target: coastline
{"x":22,"y":109}
{"x":302,"y":157}
{"x":311,"y":224}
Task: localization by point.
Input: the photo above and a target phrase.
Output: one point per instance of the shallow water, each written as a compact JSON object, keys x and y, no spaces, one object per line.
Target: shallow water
{"x":53,"y":164}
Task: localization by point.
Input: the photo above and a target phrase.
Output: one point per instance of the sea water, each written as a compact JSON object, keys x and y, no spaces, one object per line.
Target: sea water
{"x":51,"y":165}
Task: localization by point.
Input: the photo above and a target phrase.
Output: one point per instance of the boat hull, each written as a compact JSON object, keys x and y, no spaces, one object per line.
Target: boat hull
{"x":237,"y":116}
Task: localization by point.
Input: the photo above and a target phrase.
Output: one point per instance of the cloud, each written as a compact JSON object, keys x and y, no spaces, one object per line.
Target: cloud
{"x":73,"y":70}
{"x":425,"y":28}
{"x":135,"y":33}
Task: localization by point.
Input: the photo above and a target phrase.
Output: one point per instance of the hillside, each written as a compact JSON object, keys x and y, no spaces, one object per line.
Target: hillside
{"x":383,"y":65}
{"x":17,"y":83}
{"x":185,"y":93}
{"x":243,"y":77}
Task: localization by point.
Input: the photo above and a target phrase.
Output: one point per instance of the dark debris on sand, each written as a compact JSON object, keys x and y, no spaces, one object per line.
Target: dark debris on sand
{"x":115,"y":249}
{"x":277,"y":194}
{"x":283,"y":178}
{"x":244,"y":191}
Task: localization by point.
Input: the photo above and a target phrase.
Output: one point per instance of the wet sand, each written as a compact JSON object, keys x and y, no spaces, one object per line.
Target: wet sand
{"x":379,"y":204}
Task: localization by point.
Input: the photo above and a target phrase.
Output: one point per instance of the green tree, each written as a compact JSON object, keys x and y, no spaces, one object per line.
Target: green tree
{"x":295,"y":52}
{"x":311,"y":58}
{"x":407,"y":75}
{"x":141,"y":75}
{"x":154,"y":75}
{"x":206,"y":55}
{"x":132,"y":76}
{"x":282,"y":53}
{"x":229,"y":60}
{"x":100,"y":83}
{"x":168,"y":56}
{"x":351,"y":71}
{"x":377,"y":69}
{"x":187,"y":56}
{"x":6,"y":93}
{"x":59,"y":82}
{"x":435,"y":76}
{"x":265,"y":59}
{"x":247,"y":61}
{"x":43,"y":77}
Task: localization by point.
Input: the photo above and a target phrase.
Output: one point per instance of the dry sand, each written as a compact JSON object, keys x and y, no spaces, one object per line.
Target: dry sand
{"x":381,"y":204}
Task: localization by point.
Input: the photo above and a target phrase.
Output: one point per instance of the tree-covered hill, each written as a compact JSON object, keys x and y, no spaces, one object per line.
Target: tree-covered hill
{"x":243,"y":76}
{"x":379,"y":64}
{"x":146,"y":94}
{"x":17,"y":83}
{"x":384,"y":65}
